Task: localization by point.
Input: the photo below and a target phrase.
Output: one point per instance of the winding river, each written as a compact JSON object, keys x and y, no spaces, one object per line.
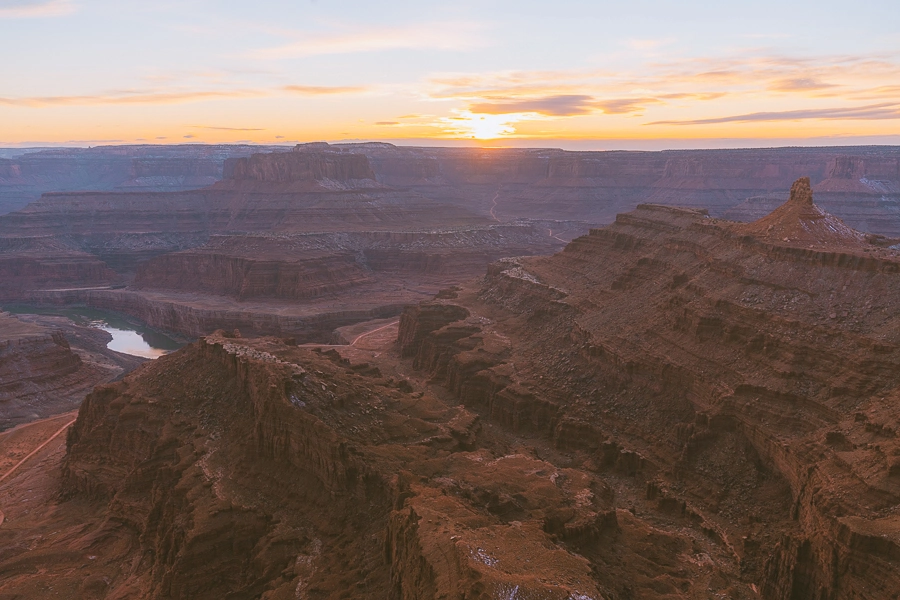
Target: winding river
{"x":129,"y":337}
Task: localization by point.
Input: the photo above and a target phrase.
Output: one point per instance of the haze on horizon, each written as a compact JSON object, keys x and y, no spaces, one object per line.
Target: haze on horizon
{"x":578,"y":74}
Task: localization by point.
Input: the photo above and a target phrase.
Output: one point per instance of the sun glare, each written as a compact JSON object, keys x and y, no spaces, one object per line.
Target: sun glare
{"x":482,"y":126}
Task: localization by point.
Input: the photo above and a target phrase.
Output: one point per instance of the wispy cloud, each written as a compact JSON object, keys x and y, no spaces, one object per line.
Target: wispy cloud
{"x":621,"y":106}
{"x":25,"y":9}
{"x":437,"y":36}
{"x":730,"y":85}
{"x":566,"y":105}
{"x":323,"y":90}
{"x":226,"y":128}
{"x":799,"y":84}
{"x":164,"y":96}
{"x":128,"y":97}
{"x":878,"y":93}
{"x":869,"y":113}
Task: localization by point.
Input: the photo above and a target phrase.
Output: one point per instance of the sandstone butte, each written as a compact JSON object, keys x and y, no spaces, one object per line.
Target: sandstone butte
{"x":675,"y":406}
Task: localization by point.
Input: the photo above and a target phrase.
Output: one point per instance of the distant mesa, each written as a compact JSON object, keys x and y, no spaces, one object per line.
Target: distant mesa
{"x":800,"y":221}
{"x":298,"y":167}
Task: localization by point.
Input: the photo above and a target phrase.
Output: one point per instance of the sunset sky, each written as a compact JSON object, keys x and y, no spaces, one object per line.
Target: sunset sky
{"x":575,"y":74}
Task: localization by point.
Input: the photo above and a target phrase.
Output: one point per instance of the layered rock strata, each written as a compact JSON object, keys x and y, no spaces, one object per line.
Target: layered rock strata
{"x":858,"y":184}
{"x":277,"y":247}
{"x":304,"y":266}
{"x":41,"y":374}
{"x":744,"y":374}
{"x":27,"y":173}
{"x":673,"y":407}
{"x":253,"y":468}
{"x":256,"y":469}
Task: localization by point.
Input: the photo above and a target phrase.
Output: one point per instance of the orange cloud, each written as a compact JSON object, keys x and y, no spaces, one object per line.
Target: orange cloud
{"x":565,"y":105}
{"x":227,"y":128}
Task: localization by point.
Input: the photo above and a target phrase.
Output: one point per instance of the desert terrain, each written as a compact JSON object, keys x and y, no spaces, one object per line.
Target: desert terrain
{"x":457,"y":373}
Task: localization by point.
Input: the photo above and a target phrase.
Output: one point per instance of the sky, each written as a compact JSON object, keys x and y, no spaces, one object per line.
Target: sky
{"x":641,"y":74}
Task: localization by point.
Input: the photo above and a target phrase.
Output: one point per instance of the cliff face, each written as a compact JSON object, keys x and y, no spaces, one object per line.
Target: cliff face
{"x":102,"y":238}
{"x":34,"y":263}
{"x":257,"y":469}
{"x":243,"y":277}
{"x":305,"y":266}
{"x":155,"y":168}
{"x":193,"y":315}
{"x":288,"y":167}
{"x":595,"y":186}
{"x":861,"y":175}
{"x":746,"y":378}
{"x":41,"y":374}
{"x":34,"y":363}
{"x":171,"y":174}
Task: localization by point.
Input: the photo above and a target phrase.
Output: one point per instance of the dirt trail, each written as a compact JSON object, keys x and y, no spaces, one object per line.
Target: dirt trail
{"x":353,"y":342}
{"x":36,"y":450}
{"x":40,"y":447}
{"x":494,"y":205}
{"x":556,"y":237}
{"x":362,"y":335}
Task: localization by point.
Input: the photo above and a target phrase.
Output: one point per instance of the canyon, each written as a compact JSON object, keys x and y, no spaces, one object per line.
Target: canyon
{"x":27,"y":173}
{"x":377,"y":224}
{"x":48,"y":364}
{"x":291,"y":243}
{"x":432,"y":373}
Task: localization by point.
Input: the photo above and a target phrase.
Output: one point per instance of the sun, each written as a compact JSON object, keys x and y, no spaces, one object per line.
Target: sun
{"x":481,"y":126}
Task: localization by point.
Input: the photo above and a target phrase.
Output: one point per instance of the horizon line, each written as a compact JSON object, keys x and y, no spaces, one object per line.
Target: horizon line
{"x":585,"y":145}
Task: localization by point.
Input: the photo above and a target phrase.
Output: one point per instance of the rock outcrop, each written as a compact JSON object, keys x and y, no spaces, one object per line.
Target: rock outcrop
{"x":41,"y":374}
{"x":675,"y":406}
{"x":741,"y":378}
{"x":28,"y":263}
{"x":295,"y":167}
{"x":800,"y":221}
{"x":257,"y":469}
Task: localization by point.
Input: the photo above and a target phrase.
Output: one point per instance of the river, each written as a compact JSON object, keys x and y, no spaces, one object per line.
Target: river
{"x":129,"y":337}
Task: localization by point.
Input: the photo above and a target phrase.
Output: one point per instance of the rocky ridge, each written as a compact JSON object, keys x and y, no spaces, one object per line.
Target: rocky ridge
{"x":675,"y":406}
{"x":392,"y":494}
{"x":745,"y":379}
